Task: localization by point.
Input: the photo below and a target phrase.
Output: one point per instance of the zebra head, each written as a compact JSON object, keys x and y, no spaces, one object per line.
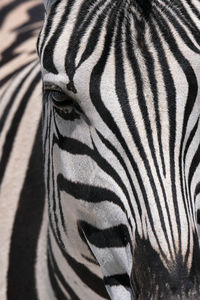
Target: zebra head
{"x":122,"y":141}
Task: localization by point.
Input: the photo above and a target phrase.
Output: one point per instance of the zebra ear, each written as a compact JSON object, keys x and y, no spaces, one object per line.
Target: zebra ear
{"x":48,"y":4}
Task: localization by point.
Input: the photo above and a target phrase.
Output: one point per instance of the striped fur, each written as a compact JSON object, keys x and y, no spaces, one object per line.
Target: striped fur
{"x":122,"y":140}
{"x":121,"y":146}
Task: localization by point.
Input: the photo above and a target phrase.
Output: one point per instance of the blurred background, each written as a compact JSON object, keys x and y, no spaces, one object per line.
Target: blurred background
{"x":21,"y":172}
{"x":20,"y":22}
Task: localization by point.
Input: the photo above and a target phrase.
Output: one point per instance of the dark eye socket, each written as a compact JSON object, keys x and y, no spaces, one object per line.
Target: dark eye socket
{"x":61,"y":100}
{"x":65,"y":106}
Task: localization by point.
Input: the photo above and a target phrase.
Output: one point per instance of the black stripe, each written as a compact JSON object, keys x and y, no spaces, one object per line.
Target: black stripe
{"x":48,"y":27}
{"x":56,"y":273}
{"x":48,"y":62}
{"x":75,"y":147}
{"x":179,"y":28}
{"x":116,"y":236}
{"x":171,"y":102}
{"x":5,"y":11}
{"x":26,"y":228}
{"x":93,"y":194}
{"x":13,"y":73}
{"x":56,"y":202}
{"x":86,"y":276}
{"x":190,"y":138}
{"x":81,"y":26}
{"x":96,"y":31}
{"x":121,"y":160}
{"x":197,"y":190}
{"x":134,"y":130}
{"x":145,"y":7}
{"x":13,"y":98}
{"x":198,"y":214}
{"x":194,"y":9}
{"x":24,"y":35}
{"x":119,"y":279}
{"x":54,"y":282}
{"x":149,"y":61}
{"x":186,"y":19}
{"x":84,"y":240}
{"x":125,"y":105}
{"x":192,"y":94}
{"x":95,"y":95}
{"x":10,"y":136}
{"x":194,"y":164}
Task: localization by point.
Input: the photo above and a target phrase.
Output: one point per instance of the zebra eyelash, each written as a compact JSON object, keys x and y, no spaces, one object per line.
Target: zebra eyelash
{"x":60,"y":100}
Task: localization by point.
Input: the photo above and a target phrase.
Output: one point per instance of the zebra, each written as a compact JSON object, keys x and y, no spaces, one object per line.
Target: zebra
{"x":121,"y":140}
{"x":121,"y":148}
{"x":24,"y":272}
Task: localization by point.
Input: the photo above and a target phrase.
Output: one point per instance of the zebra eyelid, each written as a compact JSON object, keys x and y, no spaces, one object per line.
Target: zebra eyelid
{"x":47,"y":86}
{"x":57,"y":95}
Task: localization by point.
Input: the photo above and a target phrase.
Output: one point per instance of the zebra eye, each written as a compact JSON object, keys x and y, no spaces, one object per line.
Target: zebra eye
{"x":65,"y":106}
{"x":60,"y":100}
